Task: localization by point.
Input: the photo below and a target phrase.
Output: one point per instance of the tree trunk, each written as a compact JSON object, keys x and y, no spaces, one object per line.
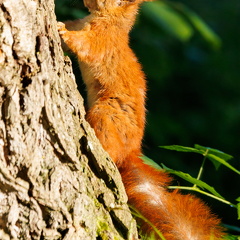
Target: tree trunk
{"x":56,"y":182}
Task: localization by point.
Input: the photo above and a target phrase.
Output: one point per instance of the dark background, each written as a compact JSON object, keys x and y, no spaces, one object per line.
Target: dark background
{"x":193,"y":88}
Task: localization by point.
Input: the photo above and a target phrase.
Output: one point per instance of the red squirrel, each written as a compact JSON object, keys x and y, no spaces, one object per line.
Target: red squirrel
{"x":116,"y":89}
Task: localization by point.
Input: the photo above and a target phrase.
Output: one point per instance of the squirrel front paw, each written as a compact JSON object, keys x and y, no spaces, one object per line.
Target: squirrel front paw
{"x":63,"y":32}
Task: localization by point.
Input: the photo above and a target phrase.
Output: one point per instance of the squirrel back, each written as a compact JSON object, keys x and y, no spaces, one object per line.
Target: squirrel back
{"x":116,"y":89}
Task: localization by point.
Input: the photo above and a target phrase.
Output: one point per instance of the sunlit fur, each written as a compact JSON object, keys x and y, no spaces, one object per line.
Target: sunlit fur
{"x":116,"y":90}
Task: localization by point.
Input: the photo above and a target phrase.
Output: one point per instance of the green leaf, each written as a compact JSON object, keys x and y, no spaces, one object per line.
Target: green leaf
{"x":150,"y":162}
{"x":182,"y":149}
{"x":203,"y":29}
{"x":231,"y":228}
{"x":215,"y":158}
{"x":238,"y":210}
{"x":206,"y":32}
{"x":214,"y":151}
{"x":168,"y":19}
{"x":193,"y":180}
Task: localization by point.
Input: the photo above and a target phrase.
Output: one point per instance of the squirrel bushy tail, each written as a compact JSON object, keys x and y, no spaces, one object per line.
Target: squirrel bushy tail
{"x":176,"y":216}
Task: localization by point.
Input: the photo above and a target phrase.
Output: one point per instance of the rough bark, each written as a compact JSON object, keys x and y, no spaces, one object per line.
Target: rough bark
{"x":56,"y":182}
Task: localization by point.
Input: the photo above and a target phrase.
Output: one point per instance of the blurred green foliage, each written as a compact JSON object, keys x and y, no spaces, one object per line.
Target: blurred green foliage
{"x":190,"y":52}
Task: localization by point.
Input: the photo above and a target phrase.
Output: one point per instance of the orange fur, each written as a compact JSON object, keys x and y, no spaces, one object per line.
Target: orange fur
{"x":177,"y":216}
{"x":116,"y":98}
